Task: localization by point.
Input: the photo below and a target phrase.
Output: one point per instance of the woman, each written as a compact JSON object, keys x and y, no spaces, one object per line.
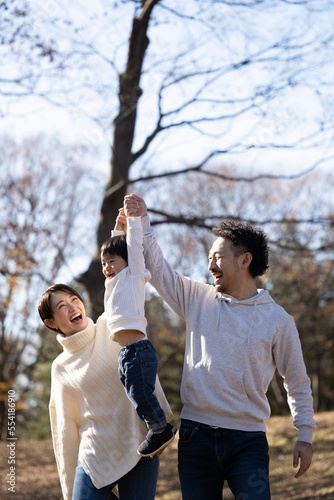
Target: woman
{"x":95,"y":429}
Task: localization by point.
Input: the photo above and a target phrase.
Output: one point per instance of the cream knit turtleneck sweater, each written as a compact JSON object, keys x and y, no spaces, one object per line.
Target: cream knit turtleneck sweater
{"x":91,"y":417}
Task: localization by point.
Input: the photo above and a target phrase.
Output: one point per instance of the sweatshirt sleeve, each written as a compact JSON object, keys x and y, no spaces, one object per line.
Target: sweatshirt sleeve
{"x":65,"y":422}
{"x":290,"y":364}
{"x":174,"y":288}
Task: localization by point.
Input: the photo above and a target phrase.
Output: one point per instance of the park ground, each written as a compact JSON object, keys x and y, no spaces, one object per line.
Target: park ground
{"x":36,"y":475}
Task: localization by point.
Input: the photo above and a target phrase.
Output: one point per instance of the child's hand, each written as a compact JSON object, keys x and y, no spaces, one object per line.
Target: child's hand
{"x":120,"y":224}
{"x":134,"y":206}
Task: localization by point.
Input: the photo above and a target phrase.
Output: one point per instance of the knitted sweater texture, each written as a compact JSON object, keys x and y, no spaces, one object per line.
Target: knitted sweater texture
{"x":91,"y":417}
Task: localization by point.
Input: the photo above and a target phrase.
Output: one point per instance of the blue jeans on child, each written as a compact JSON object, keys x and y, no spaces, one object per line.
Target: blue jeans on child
{"x":139,"y":483}
{"x":209,"y":456}
{"x":137,"y":368}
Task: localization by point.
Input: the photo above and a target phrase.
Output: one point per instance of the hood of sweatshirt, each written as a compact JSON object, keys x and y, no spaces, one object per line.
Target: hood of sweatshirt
{"x":260,"y":299}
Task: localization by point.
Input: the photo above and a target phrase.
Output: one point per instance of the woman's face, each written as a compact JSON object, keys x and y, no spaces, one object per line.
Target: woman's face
{"x":69,"y":314}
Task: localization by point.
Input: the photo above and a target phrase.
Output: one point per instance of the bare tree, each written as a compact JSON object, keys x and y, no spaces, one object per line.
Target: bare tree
{"x":202,"y":100}
{"x":302,"y":282}
{"x":214,"y":81}
{"x":42,"y":229}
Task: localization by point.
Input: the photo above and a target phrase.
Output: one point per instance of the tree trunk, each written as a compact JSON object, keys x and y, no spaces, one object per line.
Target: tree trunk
{"x":121,"y":155}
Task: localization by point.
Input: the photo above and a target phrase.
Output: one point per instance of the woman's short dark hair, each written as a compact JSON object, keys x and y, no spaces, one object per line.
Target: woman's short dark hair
{"x":116,"y":245}
{"x":246,"y":238}
{"x":44,"y":305}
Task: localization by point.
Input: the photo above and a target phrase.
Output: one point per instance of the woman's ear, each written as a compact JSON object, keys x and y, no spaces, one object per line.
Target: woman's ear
{"x":50,"y":323}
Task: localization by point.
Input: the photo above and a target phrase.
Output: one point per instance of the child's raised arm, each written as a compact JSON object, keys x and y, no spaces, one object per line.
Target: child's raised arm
{"x":120,"y":224}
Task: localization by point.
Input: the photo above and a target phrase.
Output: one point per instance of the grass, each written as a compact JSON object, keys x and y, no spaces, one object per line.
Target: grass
{"x":36,"y":474}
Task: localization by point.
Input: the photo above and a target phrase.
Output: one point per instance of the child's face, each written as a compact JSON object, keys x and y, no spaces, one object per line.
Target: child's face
{"x":112,"y":265}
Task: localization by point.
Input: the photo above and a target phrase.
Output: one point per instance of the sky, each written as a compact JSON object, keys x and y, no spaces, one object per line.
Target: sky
{"x":80,"y":102}
{"x":194,"y":61}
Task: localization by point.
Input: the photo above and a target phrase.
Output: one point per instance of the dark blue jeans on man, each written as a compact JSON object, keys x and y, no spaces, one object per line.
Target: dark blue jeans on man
{"x":209,"y":456}
{"x":137,"y":368}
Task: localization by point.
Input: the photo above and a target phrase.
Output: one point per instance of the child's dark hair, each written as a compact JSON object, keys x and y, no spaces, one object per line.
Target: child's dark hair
{"x":116,"y":245}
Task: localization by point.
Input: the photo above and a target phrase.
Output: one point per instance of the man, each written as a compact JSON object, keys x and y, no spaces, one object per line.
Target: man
{"x":236,"y":337}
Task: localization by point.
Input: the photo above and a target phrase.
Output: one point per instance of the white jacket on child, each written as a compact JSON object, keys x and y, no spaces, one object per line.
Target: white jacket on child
{"x":124,"y":299}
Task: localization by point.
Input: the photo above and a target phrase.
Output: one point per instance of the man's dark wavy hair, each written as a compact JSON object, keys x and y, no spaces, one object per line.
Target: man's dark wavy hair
{"x":246,"y":238}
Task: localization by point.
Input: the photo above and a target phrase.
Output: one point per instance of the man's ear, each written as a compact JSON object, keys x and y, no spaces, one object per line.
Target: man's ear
{"x":246,"y":260}
{"x":50,"y":323}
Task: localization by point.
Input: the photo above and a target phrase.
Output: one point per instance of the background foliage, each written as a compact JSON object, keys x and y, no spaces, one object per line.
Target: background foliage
{"x":209,"y":110}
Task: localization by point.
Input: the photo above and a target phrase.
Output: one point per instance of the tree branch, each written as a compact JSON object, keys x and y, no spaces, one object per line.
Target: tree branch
{"x":201,"y":221}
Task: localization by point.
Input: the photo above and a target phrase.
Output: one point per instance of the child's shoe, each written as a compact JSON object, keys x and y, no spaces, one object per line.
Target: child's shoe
{"x":155,"y":443}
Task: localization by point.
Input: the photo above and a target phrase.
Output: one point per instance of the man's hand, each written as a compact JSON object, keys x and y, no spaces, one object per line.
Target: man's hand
{"x":134,"y":206}
{"x":302,"y":454}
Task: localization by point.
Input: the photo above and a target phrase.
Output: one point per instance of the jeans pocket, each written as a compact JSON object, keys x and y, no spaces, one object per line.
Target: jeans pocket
{"x":187,"y":432}
{"x":149,"y":367}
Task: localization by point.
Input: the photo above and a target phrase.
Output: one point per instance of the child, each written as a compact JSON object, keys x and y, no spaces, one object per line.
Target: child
{"x":123,"y":266}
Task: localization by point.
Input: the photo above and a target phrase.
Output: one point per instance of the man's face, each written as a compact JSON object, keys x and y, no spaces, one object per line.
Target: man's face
{"x":224,"y":266}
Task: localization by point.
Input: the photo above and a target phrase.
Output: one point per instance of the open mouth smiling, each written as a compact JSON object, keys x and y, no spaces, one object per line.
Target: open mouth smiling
{"x":216,"y":275}
{"x":76,"y":317}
